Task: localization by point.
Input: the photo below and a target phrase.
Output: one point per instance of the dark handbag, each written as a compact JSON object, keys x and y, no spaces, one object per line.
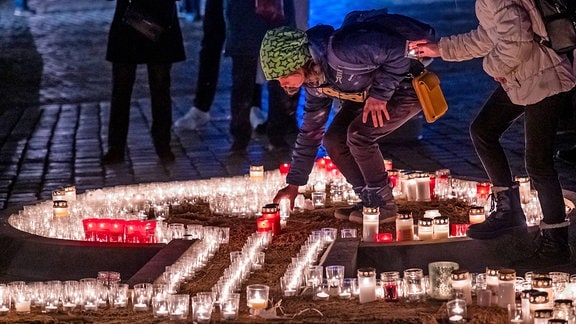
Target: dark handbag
{"x":136,"y":18}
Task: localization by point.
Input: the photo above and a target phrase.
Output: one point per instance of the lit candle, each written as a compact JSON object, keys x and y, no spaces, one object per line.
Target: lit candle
{"x":482,"y":192}
{"x":441,"y":227}
{"x":321,"y":162}
{"x":461,"y":281}
{"x":284,"y":168}
{"x":322,"y":295}
{"x":68,"y":306}
{"x":404,"y":227}
{"x":58,"y":195}
{"x":22,"y":305}
{"x":140,"y":307}
{"x":345,"y":295}
{"x":425,"y":229}
{"x":60,"y":208}
{"x":272,"y":214}
{"x":385,"y":237}
{"x":70,"y":193}
{"x":506,"y":287}
{"x":423,"y":187}
{"x":162,"y":311}
{"x":257,"y":303}
{"x":263,"y":225}
{"x":257,"y":172}
{"x":370,"y":223}
{"x":492,"y":284}
{"x":476,"y":214}
{"x":388,"y":164}
{"x":367,"y":285}
{"x":229,"y":312}
{"x":524,"y":183}
{"x":4,"y":310}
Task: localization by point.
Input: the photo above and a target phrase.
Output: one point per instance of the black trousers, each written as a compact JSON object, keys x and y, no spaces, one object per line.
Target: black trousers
{"x":123,"y":77}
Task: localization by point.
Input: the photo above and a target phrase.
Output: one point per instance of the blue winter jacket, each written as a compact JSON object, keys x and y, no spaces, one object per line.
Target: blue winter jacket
{"x":360,"y":59}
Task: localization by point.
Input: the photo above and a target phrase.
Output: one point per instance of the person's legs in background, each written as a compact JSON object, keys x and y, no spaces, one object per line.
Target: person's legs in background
{"x":243,"y":83}
{"x":495,"y":117}
{"x":123,"y":77}
{"x":214,"y":34}
{"x":159,"y":81}
{"x":281,"y":116}
{"x":541,"y":123}
{"x":569,"y":103}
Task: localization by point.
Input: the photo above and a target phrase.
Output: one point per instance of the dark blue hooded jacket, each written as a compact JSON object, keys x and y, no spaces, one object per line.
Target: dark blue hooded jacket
{"x":361,"y":59}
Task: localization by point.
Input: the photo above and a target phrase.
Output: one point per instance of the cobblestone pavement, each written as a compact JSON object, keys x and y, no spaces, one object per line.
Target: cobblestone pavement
{"x":55,"y":89}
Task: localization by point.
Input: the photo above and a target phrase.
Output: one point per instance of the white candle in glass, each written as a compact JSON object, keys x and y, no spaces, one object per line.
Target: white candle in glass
{"x":367,"y":285}
{"x":506,"y":287}
{"x":423,"y":187}
{"x":370,"y":223}
{"x":441,"y":227}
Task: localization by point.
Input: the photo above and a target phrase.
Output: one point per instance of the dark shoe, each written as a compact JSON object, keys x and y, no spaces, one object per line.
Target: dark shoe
{"x":508,"y":217}
{"x":113,"y":157}
{"x":567,"y":156}
{"x":345,"y":212}
{"x":24,"y":12}
{"x":239,"y":146}
{"x":552,"y":248}
{"x":166,"y":156}
{"x":381,"y":198}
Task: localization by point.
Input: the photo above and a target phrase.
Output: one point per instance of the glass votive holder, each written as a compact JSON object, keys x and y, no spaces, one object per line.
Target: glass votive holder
{"x":229,"y":306}
{"x":4,"y":299}
{"x":414,"y":287}
{"x":71,"y":295}
{"x":160,"y":306}
{"x":334,"y":278}
{"x":118,"y":297}
{"x":322,"y":291}
{"x":348,"y":233}
{"x":178,"y":306}
{"x":456,"y":310}
{"x":348,"y":288}
{"x":257,"y":298}
{"x":329,"y":234}
{"x":314,"y":275}
{"x":202,"y":309}
{"x":319,"y":199}
{"x":391,"y":285}
{"x":141,"y":295}
{"x":20,"y":296}
{"x":258,"y":260}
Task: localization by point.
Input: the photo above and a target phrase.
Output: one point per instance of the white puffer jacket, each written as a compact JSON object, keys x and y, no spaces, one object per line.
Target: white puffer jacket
{"x":505,"y":39}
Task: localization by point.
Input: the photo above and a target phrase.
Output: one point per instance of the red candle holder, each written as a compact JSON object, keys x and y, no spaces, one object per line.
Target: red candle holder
{"x":103,"y":226}
{"x":263,"y":225}
{"x":482,"y":190}
{"x":284,"y":168}
{"x":117,"y":230}
{"x":329,"y":165}
{"x":384,"y":237}
{"x":136,"y":231}
{"x":458,"y":230}
{"x":432,"y":187}
{"x":321,"y":162}
{"x":272,"y":214}
{"x":90,"y":228}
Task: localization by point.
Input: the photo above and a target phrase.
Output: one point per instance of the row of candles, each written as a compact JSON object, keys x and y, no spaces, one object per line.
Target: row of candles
{"x":66,"y":216}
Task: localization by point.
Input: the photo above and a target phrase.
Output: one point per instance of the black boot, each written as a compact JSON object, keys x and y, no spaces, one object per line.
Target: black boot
{"x":380,"y":197}
{"x":344,"y":213}
{"x":113,"y":156}
{"x":552,"y":248}
{"x":508,"y":216}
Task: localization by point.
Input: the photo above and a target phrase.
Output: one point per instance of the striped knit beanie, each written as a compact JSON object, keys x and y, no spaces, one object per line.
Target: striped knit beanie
{"x":283,"y":51}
